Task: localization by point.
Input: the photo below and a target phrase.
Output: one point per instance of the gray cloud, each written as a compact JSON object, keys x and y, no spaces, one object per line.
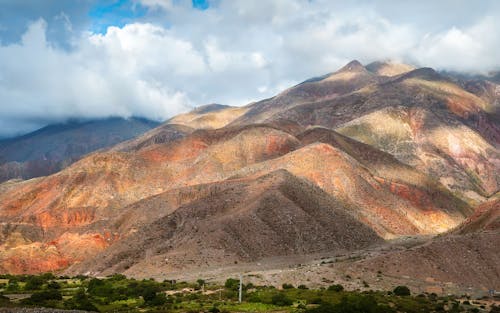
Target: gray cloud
{"x":237,"y":51}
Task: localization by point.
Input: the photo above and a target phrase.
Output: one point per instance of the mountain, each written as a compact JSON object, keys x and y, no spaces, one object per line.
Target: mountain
{"x":85,"y":200}
{"x":234,"y":221}
{"x":356,"y":160}
{"x":421,"y":117}
{"x":54,"y":147}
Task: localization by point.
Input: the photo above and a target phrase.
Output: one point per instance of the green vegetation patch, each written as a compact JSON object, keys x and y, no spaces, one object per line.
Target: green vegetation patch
{"x":118,"y":293}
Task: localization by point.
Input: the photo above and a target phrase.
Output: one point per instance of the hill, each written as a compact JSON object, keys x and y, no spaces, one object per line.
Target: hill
{"x":54,"y":147}
{"x":233,"y":221}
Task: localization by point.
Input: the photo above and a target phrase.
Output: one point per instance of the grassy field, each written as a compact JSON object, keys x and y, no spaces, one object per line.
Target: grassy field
{"x":121,"y":294}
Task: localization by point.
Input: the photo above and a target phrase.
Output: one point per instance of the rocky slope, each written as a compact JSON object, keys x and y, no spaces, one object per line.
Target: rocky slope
{"x":209,"y":116}
{"x":237,"y":220}
{"x":467,"y":256}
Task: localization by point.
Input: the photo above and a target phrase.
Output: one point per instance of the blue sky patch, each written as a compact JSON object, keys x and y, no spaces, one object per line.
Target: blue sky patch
{"x":200,"y":4}
{"x":114,"y":13}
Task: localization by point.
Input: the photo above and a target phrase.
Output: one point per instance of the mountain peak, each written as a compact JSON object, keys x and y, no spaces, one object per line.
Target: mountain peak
{"x":426,"y":73}
{"x":389,"y":68}
{"x":212,"y":107}
{"x":353,"y":66}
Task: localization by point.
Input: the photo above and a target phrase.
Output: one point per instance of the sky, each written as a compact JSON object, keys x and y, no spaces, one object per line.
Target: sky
{"x":74,"y":59}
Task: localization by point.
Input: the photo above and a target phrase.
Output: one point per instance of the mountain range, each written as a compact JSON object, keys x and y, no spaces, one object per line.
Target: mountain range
{"x":355,"y":160}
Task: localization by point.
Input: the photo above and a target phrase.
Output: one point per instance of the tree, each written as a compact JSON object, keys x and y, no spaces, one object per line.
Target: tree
{"x":34,"y":283}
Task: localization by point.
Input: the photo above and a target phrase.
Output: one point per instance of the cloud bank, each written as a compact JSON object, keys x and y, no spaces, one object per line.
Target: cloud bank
{"x":233,"y":52}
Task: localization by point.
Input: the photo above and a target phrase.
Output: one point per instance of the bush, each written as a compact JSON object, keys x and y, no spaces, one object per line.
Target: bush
{"x":323,"y":308}
{"x":13,"y":285}
{"x":232,"y":284}
{"x":100,"y":288}
{"x":34,"y":283}
{"x":42,"y":297}
{"x":356,"y":303}
{"x":254,"y":297}
{"x":148,"y":294}
{"x":336,"y":288}
{"x":214,"y":309}
{"x":53,"y":285}
{"x":80,"y":301}
{"x":157,"y":300}
{"x":280,"y":299}
{"x":287,"y":286}
{"x":402,"y":291}
{"x":47,"y":276}
{"x":302,"y":287}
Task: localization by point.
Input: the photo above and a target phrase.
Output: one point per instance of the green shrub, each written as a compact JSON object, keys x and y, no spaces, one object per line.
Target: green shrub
{"x":80,"y":301}
{"x":13,"y":285}
{"x":353,"y":303}
{"x":280,"y":299}
{"x":157,"y":300}
{"x":214,"y":309}
{"x":53,"y":285}
{"x":402,"y":291}
{"x":232,"y":284}
{"x":336,"y":288}
{"x":323,"y":308}
{"x":34,"y":283}
{"x":303,"y":287}
{"x":41,"y":297}
{"x":287,"y":286}
{"x":254,"y":297}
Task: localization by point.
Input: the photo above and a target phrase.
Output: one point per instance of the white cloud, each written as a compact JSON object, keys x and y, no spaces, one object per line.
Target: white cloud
{"x":134,"y":70}
{"x":473,"y":48}
{"x":235,"y":52}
